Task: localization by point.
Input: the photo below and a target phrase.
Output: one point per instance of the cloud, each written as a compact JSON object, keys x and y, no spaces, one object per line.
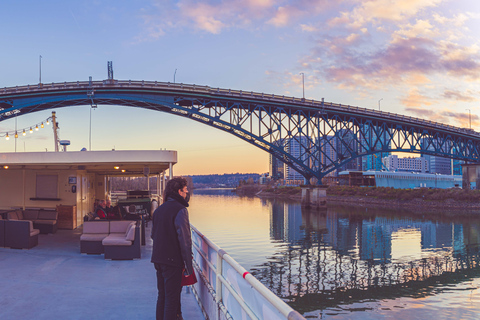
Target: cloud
{"x":383,"y":10}
{"x":415,"y":99}
{"x":459,"y":96}
{"x":308,"y":28}
{"x":461,"y":119}
{"x":214,"y":17}
{"x":292,"y":83}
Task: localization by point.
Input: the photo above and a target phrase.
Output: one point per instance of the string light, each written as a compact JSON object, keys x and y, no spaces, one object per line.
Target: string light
{"x":30,"y":129}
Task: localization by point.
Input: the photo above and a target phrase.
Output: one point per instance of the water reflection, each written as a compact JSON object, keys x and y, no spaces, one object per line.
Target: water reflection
{"x":347,"y":254}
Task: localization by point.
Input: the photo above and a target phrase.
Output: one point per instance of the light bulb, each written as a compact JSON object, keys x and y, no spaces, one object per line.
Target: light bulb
{"x":41,"y":126}
{"x":5,"y":167}
{"x":48,"y":122}
{"x":31,"y":130}
{"x":7,"y":137}
{"x":24,"y":133}
{"x":36,"y":127}
{"x":16,"y":134}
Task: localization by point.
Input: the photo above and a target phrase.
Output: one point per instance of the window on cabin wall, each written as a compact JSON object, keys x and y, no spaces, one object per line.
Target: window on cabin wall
{"x":46,"y":186}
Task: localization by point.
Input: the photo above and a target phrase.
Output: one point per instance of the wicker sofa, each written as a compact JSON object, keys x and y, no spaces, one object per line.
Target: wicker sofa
{"x":43,"y":220}
{"x":20,"y":234}
{"x":118,"y":240}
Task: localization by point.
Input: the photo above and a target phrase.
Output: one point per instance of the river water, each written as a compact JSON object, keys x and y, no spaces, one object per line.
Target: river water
{"x":348,"y":262}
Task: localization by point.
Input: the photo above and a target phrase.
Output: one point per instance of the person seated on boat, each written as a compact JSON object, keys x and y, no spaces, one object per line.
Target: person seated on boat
{"x":101,"y":210}
{"x":108,"y":206}
{"x":113,"y":213}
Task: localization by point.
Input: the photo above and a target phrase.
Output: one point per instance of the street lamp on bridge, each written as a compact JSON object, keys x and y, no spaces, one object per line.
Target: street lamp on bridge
{"x":469,"y":118}
{"x":303,"y":84}
{"x":379,"y":104}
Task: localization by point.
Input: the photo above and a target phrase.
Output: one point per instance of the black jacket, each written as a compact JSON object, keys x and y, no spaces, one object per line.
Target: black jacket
{"x":171,"y":234}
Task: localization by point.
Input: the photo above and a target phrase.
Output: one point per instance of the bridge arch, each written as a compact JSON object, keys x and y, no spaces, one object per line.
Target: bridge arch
{"x":312,"y":137}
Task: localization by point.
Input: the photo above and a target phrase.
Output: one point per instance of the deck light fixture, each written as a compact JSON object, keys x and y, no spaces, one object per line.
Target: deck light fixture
{"x":5,"y":167}
{"x":123,"y":170}
{"x":116,"y":168}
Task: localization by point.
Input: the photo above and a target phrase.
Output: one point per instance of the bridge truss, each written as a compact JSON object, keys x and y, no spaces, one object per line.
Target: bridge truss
{"x":312,"y":137}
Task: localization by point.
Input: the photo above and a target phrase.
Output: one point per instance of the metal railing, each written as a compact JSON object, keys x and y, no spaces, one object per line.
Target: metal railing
{"x":226,"y":92}
{"x":225,"y":290}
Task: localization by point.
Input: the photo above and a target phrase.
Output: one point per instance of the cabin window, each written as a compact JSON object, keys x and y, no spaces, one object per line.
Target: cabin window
{"x":47,"y":186}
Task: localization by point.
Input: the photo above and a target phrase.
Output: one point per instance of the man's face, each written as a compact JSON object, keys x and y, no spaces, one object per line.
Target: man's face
{"x":183,"y":192}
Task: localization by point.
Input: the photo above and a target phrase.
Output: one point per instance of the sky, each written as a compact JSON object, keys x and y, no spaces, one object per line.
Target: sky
{"x":419,"y":58}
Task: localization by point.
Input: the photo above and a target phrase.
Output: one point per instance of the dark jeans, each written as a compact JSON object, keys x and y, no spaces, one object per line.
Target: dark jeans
{"x":169,"y":284}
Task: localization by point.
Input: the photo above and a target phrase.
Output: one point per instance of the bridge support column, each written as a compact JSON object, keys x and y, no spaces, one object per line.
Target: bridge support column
{"x":314,"y":196}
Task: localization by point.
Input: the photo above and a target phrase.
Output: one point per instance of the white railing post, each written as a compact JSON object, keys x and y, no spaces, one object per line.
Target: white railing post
{"x":218,"y":287}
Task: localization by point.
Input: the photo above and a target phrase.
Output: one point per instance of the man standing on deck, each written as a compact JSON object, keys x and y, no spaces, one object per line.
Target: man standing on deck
{"x":172,"y":248}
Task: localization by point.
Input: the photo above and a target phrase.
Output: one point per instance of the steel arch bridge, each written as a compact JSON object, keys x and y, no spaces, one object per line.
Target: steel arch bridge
{"x":312,"y":137}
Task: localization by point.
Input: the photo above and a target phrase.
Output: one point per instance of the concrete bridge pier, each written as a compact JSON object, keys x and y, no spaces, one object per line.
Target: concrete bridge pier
{"x":314,"y":196}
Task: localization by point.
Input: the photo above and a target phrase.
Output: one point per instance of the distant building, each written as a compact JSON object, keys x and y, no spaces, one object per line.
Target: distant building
{"x":436,"y":164}
{"x":409,"y":180}
{"x":277,"y":167}
{"x":457,"y":166}
{"x":345,"y":143}
{"x":298,"y":147}
{"x":394,"y":163}
{"x":328,"y":154}
{"x":369,"y":138}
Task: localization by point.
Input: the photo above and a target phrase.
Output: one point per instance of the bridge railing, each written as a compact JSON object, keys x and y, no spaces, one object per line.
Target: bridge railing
{"x":225,"y":290}
{"x":226,"y":92}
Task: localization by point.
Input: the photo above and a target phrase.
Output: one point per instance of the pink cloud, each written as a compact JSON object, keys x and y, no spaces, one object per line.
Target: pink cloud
{"x":456,"y":118}
{"x":215,"y":16}
{"x":459,"y":96}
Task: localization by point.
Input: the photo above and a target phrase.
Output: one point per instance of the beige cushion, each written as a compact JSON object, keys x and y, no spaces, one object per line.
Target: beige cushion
{"x":47,"y":215}
{"x":12,"y":215}
{"x":30,"y":214}
{"x":120,"y":226}
{"x":130,"y":235}
{"x":49,"y":222}
{"x":34,"y":232}
{"x":96,"y":227}
{"x":93,"y":236}
{"x":115,"y":240}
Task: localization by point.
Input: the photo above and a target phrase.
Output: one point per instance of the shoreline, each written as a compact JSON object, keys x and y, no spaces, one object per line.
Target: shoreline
{"x":450,"y":205}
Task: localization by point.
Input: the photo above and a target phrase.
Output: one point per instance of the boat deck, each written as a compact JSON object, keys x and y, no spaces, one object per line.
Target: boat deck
{"x":54,"y":281}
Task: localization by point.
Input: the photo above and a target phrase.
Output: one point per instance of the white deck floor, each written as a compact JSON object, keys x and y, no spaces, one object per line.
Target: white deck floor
{"x":54,"y":281}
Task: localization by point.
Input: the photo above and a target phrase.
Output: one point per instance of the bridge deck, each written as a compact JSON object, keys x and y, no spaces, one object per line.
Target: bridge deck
{"x":55,"y":281}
